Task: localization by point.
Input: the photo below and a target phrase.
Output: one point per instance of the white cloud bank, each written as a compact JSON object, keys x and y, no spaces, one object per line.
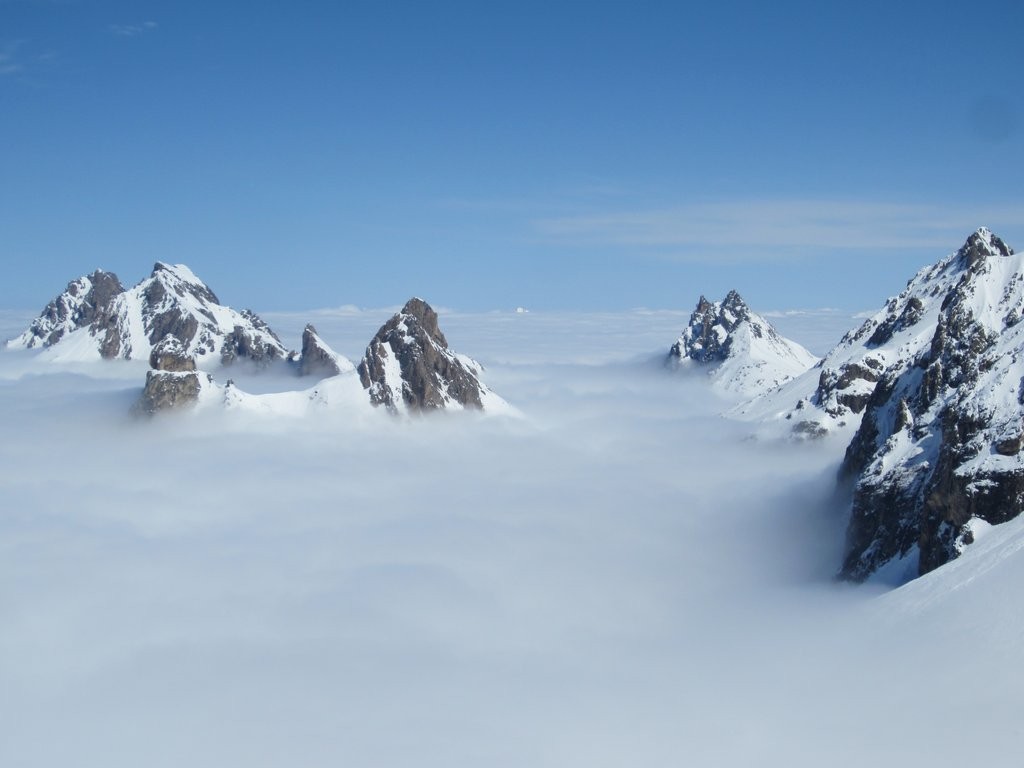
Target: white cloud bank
{"x":619,"y":579}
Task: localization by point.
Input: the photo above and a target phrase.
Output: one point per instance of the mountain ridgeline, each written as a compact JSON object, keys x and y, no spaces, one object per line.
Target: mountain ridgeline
{"x":738,"y":349}
{"x":926,"y":395}
{"x":176,"y":322}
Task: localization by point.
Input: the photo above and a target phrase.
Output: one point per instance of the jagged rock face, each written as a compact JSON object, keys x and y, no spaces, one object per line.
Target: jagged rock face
{"x":169,"y":355}
{"x":741,"y":350}
{"x":81,"y":303}
{"x":938,"y":448}
{"x":408,"y":366}
{"x":172,"y":301}
{"x":834,"y":396}
{"x":165,"y":391}
{"x":708,"y":337}
{"x":173,"y":382}
{"x":318,"y":359}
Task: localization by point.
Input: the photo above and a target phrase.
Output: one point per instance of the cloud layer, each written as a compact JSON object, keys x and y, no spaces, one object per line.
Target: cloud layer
{"x":621,"y":578}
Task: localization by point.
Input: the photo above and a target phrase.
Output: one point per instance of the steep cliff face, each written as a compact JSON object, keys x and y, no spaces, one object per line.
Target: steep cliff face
{"x":173,"y":381}
{"x":740,"y":350}
{"x":409,"y":367}
{"x":938,"y":450}
{"x":96,"y":318}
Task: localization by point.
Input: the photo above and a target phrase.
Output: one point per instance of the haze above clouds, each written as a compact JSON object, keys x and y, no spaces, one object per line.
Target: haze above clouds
{"x":618,"y":578}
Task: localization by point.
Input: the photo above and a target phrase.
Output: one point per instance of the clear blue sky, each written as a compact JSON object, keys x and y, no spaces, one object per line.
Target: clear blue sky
{"x":489,"y":154}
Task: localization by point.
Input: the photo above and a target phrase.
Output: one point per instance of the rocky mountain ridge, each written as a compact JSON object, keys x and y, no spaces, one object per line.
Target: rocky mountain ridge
{"x":938,"y":450}
{"x":739,"y":349}
{"x":97,"y":318}
{"x":409,"y":367}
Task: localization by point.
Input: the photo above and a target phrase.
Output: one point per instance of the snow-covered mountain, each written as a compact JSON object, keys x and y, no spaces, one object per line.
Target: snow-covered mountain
{"x":96,"y":318}
{"x":409,"y":367}
{"x":938,"y":451}
{"x":740,"y":350}
{"x":831,"y":397}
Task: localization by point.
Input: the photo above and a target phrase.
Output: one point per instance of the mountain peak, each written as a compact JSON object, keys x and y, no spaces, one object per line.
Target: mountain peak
{"x":980,"y":245}
{"x":409,"y":367}
{"x":426,"y":317}
{"x":741,"y":349}
{"x":172,"y":301}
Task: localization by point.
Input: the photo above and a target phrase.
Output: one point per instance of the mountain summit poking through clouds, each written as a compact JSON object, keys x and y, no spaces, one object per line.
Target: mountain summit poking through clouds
{"x":95,"y":317}
{"x":937,"y":457}
{"x":408,"y":366}
{"x":740,"y":350}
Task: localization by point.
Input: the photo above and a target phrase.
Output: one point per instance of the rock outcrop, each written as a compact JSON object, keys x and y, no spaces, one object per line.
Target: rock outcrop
{"x":408,"y":366}
{"x":738,"y":348}
{"x":173,"y":381}
{"x":84,"y":302}
{"x":831,"y":398}
{"x":938,"y":450}
{"x":96,"y":318}
{"x":318,"y":359}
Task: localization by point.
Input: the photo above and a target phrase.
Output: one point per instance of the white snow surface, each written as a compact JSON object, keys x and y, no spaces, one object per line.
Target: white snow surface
{"x":797,"y":401}
{"x":620,"y":578}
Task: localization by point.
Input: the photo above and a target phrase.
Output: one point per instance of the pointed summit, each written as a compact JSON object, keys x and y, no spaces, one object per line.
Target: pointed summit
{"x":109,"y":322}
{"x":409,"y":367}
{"x":82,"y":303}
{"x":980,"y":245}
{"x":318,"y":359}
{"x":937,"y":455}
{"x":741,"y":350}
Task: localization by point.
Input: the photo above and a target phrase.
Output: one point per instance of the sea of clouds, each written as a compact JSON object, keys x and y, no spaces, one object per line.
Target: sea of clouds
{"x":618,"y":577}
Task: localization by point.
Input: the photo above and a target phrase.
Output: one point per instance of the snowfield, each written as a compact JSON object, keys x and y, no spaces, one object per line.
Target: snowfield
{"x":616,"y":577}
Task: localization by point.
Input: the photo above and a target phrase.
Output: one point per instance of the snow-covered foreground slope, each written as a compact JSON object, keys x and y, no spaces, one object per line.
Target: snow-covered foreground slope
{"x":580,"y":587}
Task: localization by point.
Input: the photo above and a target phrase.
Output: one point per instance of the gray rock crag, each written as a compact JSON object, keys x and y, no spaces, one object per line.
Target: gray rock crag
{"x":317,"y":358}
{"x":81,"y":304}
{"x":937,"y":452}
{"x":128,"y":324}
{"x":408,"y":366}
{"x":832,"y":398}
{"x":737,"y":348}
{"x":708,"y":336}
{"x":173,"y":381}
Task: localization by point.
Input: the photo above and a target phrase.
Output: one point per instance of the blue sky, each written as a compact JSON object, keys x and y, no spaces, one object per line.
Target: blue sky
{"x":576,"y":155}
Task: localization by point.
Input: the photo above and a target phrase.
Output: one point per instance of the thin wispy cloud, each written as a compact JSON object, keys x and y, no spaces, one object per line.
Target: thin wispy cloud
{"x":758,"y":229}
{"x":132,"y":30}
{"x":9,"y":63}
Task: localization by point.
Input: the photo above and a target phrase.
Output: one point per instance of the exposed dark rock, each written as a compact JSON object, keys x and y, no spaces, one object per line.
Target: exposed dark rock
{"x":172,"y":301}
{"x":165,"y":391}
{"x":408,"y":365}
{"x":708,"y":336}
{"x":253,"y":341}
{"x":82,"y":302}
{"x":921,"y":456}
{"x":317,"y":359}
{"x":170,"y":355}
{"x":173,"y":382}
{"x":740,"y":350}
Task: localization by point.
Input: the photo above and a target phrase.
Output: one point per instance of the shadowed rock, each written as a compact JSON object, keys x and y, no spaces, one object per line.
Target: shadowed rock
{"x":408,"y":366}
{"x":317,"y":359}
{"x":173,"y":382}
